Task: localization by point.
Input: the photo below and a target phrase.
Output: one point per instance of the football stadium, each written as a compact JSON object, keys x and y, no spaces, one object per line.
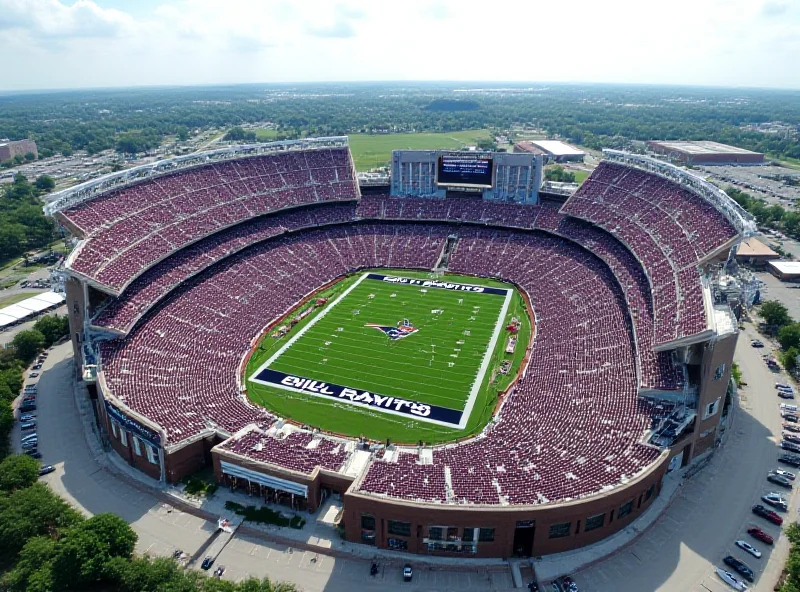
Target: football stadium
{"x":467,"y":365}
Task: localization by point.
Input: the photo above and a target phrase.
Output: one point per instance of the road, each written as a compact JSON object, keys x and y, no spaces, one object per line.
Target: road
{"x":162,"y":529}
{"x":679,"y":553}
{"x":676,"y":555}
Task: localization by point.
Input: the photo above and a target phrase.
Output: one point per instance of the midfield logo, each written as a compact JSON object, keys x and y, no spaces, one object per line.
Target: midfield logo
{"x":402,"y":330}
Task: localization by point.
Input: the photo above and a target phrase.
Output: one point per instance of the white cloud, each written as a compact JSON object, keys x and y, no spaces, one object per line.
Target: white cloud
{"x":85,"y":43}
{"x":45,"y":19}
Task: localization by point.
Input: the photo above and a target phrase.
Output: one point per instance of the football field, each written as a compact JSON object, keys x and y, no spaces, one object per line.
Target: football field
{"x":410,"y":351}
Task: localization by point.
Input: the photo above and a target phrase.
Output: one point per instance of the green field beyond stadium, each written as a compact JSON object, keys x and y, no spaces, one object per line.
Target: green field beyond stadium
{"x":396,"y":354}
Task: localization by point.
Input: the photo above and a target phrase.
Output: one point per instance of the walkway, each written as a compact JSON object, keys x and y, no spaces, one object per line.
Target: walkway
{"x":676,"y":554}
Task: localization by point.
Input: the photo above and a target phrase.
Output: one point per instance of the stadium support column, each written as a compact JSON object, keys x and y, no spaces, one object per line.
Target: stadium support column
{"x":537,"y":178}
{"x":163,"y":477}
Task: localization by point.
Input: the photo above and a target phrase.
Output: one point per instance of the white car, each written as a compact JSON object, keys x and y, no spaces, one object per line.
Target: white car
{"x":787,"y":474}
{"x":789,"y":408}
{"x":731,"y":580}
{"x":745,"y":546}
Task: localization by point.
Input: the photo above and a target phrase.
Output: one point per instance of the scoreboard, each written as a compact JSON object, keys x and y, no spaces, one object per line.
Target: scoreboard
{"x":501,"y":176}
{"x":465,"y":170}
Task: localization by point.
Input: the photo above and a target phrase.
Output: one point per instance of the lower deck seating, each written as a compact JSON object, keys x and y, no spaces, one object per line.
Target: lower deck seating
{"x":570,"y":428}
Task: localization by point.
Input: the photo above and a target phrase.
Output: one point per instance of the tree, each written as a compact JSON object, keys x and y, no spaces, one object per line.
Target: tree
{"x":33,"y":568}
{"x":45,"y":183}
{"x":33,"y":511}
{"x":53,"y":327}
{"x":789,"y":335}
{"x":30,"y":156}
{"x":18,"y":471}
{"x":775,"y":313}
{"x":84,"y":554}
{"x":28,"y":343}
{"x":789,"y":359}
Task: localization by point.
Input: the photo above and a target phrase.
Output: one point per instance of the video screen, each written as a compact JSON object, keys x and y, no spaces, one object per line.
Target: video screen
{"x":465,"y":169}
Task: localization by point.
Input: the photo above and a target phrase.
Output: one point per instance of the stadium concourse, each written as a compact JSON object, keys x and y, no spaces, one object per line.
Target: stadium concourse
{"x":183,"y":265}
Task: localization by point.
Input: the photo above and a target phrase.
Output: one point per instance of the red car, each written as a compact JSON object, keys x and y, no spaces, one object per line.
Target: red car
{"x":760,"y":510}
{"x":759,"y":534}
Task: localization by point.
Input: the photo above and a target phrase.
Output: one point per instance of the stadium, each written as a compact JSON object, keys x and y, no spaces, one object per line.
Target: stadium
{"x":470,"y":368}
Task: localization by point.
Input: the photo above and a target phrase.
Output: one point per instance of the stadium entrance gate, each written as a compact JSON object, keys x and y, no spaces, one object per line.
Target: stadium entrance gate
{"x":523,"y":538}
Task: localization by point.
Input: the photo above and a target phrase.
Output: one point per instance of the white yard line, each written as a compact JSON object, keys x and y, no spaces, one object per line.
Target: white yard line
{"x":310,"y":324}
{"x":476,"y":386}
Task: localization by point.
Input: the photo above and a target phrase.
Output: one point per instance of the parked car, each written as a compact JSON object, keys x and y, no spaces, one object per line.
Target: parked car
{"x":739,"y":566}
{"x":776,"y":500}
{"x":46,"y":470}
{"x":37,"y":366}
{"x":763,"y":512}
{"x":791,"y":417}
{"x":786,"y":474}
{"x":565,"y":584}
{"x":731,"y":580}
{"x":757,"y":533}
{"x":34,"y":453}
{"x":27,"y":437}
{"x":27,"y":407}
{"x":208,"y":561}
{"x":778,"y":480}
{"x":782,"y":385}
{"x":756,"y":343}
{"x":30,"y":444}
{"x":27,"y":425}
{"x":748,"y":548}
{"x":407,"y":572}
{"x":27,"y":417}
{"x":787,"y":445}
{"x":791,"y":427}
{"x":786,"y":394}
{"x":33,"y":375}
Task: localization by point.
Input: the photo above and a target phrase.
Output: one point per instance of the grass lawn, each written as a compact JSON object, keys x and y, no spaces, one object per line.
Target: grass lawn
{"x":14,"y":298}
{"x":437,"y":365}
{"x":266,"y":134}
{"x":580,"y":176}
{"x":375,"y":150}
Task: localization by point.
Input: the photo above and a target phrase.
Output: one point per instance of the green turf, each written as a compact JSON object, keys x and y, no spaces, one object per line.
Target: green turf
{"x":375,"y":150}
{"x":266,"y":134}
{"x":364,"y":358}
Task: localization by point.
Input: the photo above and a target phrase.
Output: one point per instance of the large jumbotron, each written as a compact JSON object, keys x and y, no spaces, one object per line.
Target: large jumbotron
{"x":470,"y":368}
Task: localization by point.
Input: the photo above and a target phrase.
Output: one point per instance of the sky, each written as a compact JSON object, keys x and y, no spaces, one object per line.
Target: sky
{"x":106,"y":43}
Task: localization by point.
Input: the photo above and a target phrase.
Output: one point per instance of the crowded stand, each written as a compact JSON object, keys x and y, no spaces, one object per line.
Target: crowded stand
{"x":183,"y":273}
{"x":185,"y":353}
{"x":122,"y":312}
{"x":670,"y":231}
{"x":294,"y":450}
{"x":657,"y":369}
{"x":130,"y":229}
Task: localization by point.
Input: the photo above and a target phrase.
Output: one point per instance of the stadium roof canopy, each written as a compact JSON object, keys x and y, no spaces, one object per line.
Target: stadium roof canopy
{"x":557,"y":148}
{"x":753,"y":247}
{"x":703,"y":147}
{"x":30,"y":306}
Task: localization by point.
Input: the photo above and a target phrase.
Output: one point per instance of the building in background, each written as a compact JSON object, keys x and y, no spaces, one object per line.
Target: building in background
{"x":787,"y":271}
{"x":10,"y":149}
{"x":488,"y":175}
{"x":705,"y":152}
{"x":753,"y":252}
{"x":553,"y":150}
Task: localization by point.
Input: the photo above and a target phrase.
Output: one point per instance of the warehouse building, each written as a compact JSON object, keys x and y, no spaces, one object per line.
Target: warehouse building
{"x":10,"y":149}
{"x":705,"y":152}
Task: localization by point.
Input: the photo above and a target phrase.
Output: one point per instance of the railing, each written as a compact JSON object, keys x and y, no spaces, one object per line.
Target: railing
{"x":741,"y":220}
{"x":90,"y":189}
